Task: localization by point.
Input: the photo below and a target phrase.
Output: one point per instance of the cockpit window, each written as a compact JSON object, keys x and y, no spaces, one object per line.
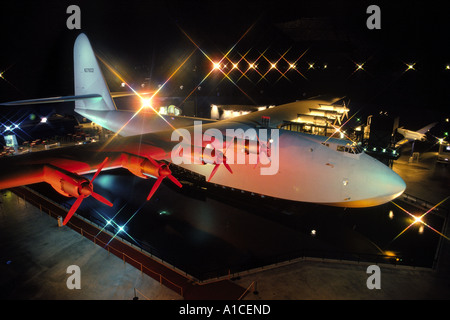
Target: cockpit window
{"x":352,"y":149}
{"x":349,"y":149}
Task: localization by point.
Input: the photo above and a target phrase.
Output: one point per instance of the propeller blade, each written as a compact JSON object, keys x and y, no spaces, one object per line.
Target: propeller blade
{"x":154,"y":162}
{"x":101,"y":199}
{"x":228,"y":167}
{"x":155,"y":187}
{"x":99,"y":169}
{"x":73,"y":210}
{"x":213,"y":172}
{"x":174,"y":180}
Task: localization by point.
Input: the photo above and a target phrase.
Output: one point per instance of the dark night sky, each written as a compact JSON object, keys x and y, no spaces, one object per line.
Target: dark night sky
{"x":144,"y":39}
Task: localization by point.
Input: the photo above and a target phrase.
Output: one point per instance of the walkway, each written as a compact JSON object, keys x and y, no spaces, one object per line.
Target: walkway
{"x":182,"y":285}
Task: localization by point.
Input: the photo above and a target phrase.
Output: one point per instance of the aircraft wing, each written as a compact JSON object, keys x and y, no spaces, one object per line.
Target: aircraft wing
{"x":285,"y":112}
{"x":401,"y":142}
{"x":63,"y":168}
{"x":426,"y":128}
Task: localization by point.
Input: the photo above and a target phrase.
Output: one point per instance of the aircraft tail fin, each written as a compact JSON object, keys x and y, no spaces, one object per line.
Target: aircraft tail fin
{"x":88,"y":78}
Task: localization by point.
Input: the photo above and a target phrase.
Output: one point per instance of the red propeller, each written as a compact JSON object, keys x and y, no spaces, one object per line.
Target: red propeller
{"x":263,"y":148}
{"x":224,"y":162}
{"x":163,"y":172}
{"x":85,"y":189}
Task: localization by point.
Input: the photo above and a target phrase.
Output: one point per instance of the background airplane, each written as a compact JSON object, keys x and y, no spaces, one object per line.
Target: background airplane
{"x":410,"y":136}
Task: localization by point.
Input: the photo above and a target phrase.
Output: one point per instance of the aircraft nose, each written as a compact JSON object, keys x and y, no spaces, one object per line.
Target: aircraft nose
{"x":388,"y":182}
{"x":396,"y":184}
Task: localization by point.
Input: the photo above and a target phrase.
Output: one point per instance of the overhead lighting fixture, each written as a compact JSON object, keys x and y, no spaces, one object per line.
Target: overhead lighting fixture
{"x":410,"y":66}
{"x":146,"y":103}
{"x":360,"y":66}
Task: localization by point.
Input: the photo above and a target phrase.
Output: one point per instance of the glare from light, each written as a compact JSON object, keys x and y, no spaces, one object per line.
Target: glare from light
{"x":146,"y":103}
{"x":419,"y":219}
{"x":410,"y":66}
{"x":273,"y":65}
{"x":43,"y":120}
{"x":360,"y":66}
{"x":251,"y":66}
{"x":292,"y":66}
{"x":235,"y":66}
{"x":137,"y":94}
{"x":311,"y":65}
{"x":421,"y":228}
{"x":216,"y":65}
{"x":224,"y":57}
{"x":391,"y":214}
{"x":121,"y":228}
{"x":7,"y":128}
{"x":338,"y":129}
{"x":390,"y":253}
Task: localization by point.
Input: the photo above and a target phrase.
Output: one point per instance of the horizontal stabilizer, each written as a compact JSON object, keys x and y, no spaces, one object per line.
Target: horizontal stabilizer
{"x":51,"y":100}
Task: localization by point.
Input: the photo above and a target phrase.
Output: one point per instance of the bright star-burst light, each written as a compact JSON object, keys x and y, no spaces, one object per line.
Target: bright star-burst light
{"x":419,"y":220}
{"x":410,"y":66}
{"x":225,"y":57}
{"x":144,"y":100}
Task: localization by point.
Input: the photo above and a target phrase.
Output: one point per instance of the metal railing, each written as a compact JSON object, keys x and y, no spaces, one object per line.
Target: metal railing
{"x":106,"y":245}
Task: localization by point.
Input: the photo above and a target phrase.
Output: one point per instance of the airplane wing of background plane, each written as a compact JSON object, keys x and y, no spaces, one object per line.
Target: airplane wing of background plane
{"x":426,"y":128}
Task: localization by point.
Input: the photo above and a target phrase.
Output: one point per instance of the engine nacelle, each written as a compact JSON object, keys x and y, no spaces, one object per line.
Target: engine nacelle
{"x":64,"y":182}
{"x":140,"y":166}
